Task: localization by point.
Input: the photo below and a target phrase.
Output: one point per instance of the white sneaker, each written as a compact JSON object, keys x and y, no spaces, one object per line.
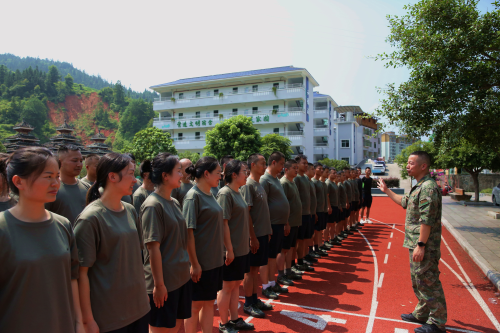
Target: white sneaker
{"x":368,"y":221}
{"x":362,"y":221}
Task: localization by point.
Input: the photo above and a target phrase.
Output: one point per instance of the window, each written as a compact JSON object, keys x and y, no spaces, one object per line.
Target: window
{"x":255,"y":88}
{"x":276,"y":130}
{"x":216,"y":92}
{"x":276,"y":107}
{"x":346,"y":159}
{"x":198,"y":114}
{"x":181,"y":95}
{"x":255,"y":110}
{"x":235,"y":111}
{"x":198,"y":94}
{"x":197,"y":135}
{"x":345,"y":143}
{"x":207,"y":114}
{"x":181,"y":115}
{"x":216,"y":113}
{"x":235,"y":90}
{"x":179,"y":136}
{"x":276,"y":85}
{"x":374,"y":145}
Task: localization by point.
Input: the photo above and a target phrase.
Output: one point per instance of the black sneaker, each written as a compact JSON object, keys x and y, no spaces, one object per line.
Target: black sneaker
{"x":253,"y":311}
{"x":279,"y":289}
{"x":426,"y":328}
{"x":310,"y":263}
{"x":325,"y":247}
{"x":337,"y":239}
{"x":305,"y":268}
{"x":312,"y":255}
{"x":322,"y":253}
{"x":269,"y":293}
{"x":293,"y":277}
{"x":411,"y":318}
{"x":241,"y":325}
{"x":263,"y":306}
{"x":227,"y":328}
{"x":285,"y":280}
{"x":296,"y":271}
{"x":310,"y":259}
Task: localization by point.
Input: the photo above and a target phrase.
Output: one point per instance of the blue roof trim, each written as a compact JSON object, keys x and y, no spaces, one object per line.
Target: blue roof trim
{"x":231,"y":75}
{"x":320,"y":95}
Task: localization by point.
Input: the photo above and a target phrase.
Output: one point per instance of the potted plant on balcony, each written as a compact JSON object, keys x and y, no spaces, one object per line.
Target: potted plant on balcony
{"x":221,"y":95}
{"x":172,"y":119}
{"x":275,"y":91}
{"x":274,"y":112}
{"x":172,"y":99}
{"x":221,"y":116}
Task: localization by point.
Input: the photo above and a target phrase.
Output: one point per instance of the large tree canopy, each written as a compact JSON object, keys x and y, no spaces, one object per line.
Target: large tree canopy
{"x":150,"y":142}
{"x":402,"y":159}
{"x":275,"y":142}
{"x":453,"y":54}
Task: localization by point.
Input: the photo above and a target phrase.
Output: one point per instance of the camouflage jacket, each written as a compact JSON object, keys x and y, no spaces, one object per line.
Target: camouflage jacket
{"x":342,"y":196}
{"x":423,"y":206}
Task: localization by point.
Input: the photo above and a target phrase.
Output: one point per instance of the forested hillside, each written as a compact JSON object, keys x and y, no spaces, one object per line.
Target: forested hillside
{"x":14,"y":63}
{"x":45,"y":100}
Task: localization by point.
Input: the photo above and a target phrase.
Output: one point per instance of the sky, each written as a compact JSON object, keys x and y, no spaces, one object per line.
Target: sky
{"x":144,"y":43}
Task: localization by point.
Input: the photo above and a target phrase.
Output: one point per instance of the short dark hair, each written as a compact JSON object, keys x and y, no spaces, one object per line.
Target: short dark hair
{"x":275,"y":156}
{"x":359,"y":168}
{"x":346,"y":169}
{"x":206,"y":163}
{"x":225,"y":160}
{"x":289,"y":163}
{"x":233,"y":166}
{"x":67,"y":148}
{"x":423,"y":156}
{"x":300,"y":157}
{"x":132,"y":156}
{"x":368,"y":168}
{"x":145,"y":167}
{"x":90,"y":157}
{"x":163,"y":162}
{"x":326,"y":167}
{"x":253,"y":159}
{"x":310,"y":164}
{"x":27,"y":163}
{"x":317,"y":164}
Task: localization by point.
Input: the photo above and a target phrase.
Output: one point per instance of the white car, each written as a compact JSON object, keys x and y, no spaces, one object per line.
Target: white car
{"x":378,"y":169}
{"x":495,"y":195}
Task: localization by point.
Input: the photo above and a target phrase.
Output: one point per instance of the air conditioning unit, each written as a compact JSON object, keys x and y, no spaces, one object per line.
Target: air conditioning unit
{"x":325,"y":139}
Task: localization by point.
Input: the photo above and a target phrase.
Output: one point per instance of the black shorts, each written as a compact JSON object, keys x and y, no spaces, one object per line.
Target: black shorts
{"x":356,"y":205}
{"x":291,"y":240}
{"x":324,"y":221}
{"x":237,"y":268}
{"x":207,"y":287}
{"x":276,"y":243}
{"x":177,"y":306}
{"x":367,"y":201}
{"x":312,"y":223}
{"x":260,"y":258}
{"x":334,"y":217}
{"x":320,"y":225}
{"x":304,"y":228}
{"x":141,"y":325}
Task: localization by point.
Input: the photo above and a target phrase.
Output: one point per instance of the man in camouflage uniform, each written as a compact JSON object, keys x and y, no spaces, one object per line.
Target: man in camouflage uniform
{"x":423,"y":239}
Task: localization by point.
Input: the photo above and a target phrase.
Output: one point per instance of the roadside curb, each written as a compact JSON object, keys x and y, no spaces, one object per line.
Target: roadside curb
{"x":488,"y":270}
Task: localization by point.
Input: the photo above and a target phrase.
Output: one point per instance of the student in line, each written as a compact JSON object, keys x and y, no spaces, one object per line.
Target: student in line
{"x":6,"y":201}
{"x":344,"y":204}
{"x":329,"y":209}
{"x":166,"y":260}
{"x":223,"y":162}
{"x":316,"y":244}
{"x":38,"y":279}
{"x":91,"y":161}
{"x":333,"y":196}
{"x":236,"y":242}
{"x":279,"y":211}
{"x":205,"y":225}
{"x":130,"y":198}
{"x":146,"y":188}
{"x":287,"y":270}
{"x":186,"y":184}
{"x":359,"y":181}
{"x":367,"y":195}
{"x":259,"y":226}
{"x":356,"y":198}
{"x":70,"y":200}
{"x":322,"y":206}
{"x":112,"y":287}
{"x":350,"y":198}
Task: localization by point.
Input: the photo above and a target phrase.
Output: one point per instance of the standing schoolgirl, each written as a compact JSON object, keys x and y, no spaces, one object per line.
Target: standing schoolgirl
{"x":146,"y":188}
{"x":6,"y":201}
{"x":237,"y":243}
{"x":38,"y":279}
{"x":205,"y":242}
{"x":112,"y":286}
{"x":166,"y":264}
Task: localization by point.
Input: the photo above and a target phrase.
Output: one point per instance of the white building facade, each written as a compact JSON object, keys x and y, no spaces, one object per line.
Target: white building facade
{"x":279,"y":100}
{"x":393,"y":144}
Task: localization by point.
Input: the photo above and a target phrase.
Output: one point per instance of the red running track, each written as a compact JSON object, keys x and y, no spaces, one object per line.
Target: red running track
{"x":364,"y":286}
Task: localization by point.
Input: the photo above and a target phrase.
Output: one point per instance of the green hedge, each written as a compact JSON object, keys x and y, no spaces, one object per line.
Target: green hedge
{"x":391,"y":182}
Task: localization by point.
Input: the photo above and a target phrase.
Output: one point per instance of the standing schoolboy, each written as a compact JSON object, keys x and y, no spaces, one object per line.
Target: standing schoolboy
{"x":166,"y":260}
{"x":38,"y":279}
{"x":321,"y":206}
{"x":91,"y":161}
{"x":6,"y":201}
{"x":314,"y":242}
{"x":343,"y":206}
{"x":109,"y":238}
{"x":186,"y":184}
{"x":146,"y":188}
{"x":367,"y":195}
{"x":334,"y":218}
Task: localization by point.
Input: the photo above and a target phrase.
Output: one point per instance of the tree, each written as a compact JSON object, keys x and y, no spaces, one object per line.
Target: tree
{"x":402,"y":159}
{"x":235,"y":136}
{"x":135,"y":118}
{"x":453,"y":54}
{"x":52,"y":78}
{"x":275,"y":142}
{"x":337,"y":164}
{"x":470,"y":157}
{"x":150,"y":142}
{"x":35,"y":113}
{"x":119,"y":94}
{"x":106,"y":95}
{"x":68,"y":80}
{"x":193,"y":157}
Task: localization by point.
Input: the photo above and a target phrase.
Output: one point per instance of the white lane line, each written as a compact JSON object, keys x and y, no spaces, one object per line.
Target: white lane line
{"x":400,"y":330}
{"x":380,"y":280}
{"x":386,"y":258}
{"x":393,"y":226}
{"x":391,"y":234}
{"x":389,"y":246}
{"x":373,"y":308}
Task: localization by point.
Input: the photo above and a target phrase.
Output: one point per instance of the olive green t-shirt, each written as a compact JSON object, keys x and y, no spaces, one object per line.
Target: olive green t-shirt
{"x":293,"y":197}
{"x":302,"y":183}
{"x":320,"y":196}
{"x":333,"y":192}
{"x":70,"y":200}
{"x":7,"y":204}
{"x":204,"y":215}
{"x":139,"y":197}
{"x":235,"y":210}
{"x":38,"y":260}
{"x":256,"y":197}
{"x":354,"y":186}
{"x":279,"y":208}
{"x":314,"y":202}
{"x":325,"y":193}
{"x":87,"y":181}
{"x":342,"y":196}
{"x":348,"y":191}
{"x":214,"y":191}
{"x":180,"y":193}
{"x":162,"y":222}
{"x":110,"y":244}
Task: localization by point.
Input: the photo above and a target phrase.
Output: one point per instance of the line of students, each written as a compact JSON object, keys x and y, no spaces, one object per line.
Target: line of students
{"x":109,"y":266}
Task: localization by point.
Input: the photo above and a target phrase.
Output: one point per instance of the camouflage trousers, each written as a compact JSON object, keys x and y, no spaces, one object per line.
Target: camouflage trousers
{"x":431,"y":305}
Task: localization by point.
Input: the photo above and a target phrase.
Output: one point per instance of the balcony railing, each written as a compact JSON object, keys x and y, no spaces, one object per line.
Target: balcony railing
{"x":186,"y":138}
{"x":291,"y":111}
{"x":320,"y":126}
{"x":287,"y":134}
{"x":320,"y":108}
{"x":320,"y":144}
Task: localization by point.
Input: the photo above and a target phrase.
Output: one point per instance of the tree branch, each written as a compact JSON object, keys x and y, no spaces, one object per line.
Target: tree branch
{"x":490,"y":57}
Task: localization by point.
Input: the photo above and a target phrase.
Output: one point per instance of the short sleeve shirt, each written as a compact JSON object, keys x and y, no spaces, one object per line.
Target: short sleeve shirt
{"x":367,"y":187}
{"x":342,"y":196}
{"x":139,"y":197}
{"x":325,"y":191}
{"x":162,"y":221}
{"x":320,"y":196}
{"x":70,"y":200}
{"x":423,"y":206}
{"x":348,"y":191}
{"x":333,"y":193}
{"x":256,"y":197}
{"x":279,"y":208}
{"x":314,"y":200}
{"x":7,"y":204}
{"x":303,"y":186}
{"x":293,"y":197}
{"x":204,"y":215}
{"x":180,"y":193}
{"x":110,"y":244}
{"x":235,"y":210}
{"x":39,"y":260}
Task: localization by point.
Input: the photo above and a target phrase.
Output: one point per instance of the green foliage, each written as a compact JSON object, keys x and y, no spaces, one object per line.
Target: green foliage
{"x":83,"y":173}
{"x":487,"y":191}
{"x":275,"y":142}
{"x":193,"y":157}
{"x":2,"y":148}
{"x":53,"y":77}
{"x":35,"y":113}
{"x":106,"y":95}
{"x":391,"y":182}
{"x":68,"y":81}
{"x":119,"y":95}
{"x":453,"y":53}
{"x":136,"y":117}
{"x":102,"y":118}
{"x":402,"y":159}
{"x":337,"y":164}
{"x":235,"y":136}
{"x":150,"y":142}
